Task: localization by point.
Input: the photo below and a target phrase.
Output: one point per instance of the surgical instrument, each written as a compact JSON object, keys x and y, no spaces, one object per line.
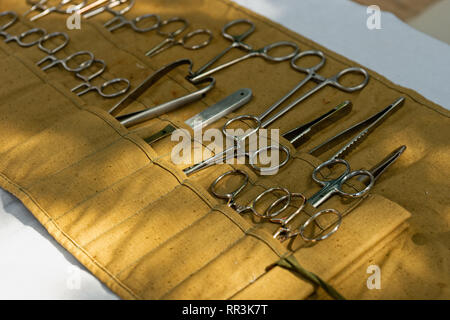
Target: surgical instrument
{"x":87,"y":86}
{"x":134,"y":118}
{"x":209,"y":115}
{"x":237,"y":42}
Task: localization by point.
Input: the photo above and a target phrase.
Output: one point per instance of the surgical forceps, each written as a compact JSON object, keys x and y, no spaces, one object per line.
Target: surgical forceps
{"x":19,"y":39}
{"x":170,"y":41}
{"x":120,"y":21}
{"x":59,"y":8}
{"x":87,"y":86}
{"x":54,"y":61}
{"x":111,"y":4}
{"x":237,"y":42}
{"x":134,"y":118}
{"x":258,"y":120}
{"x":335,"y":186}
{"x":231,"y":197}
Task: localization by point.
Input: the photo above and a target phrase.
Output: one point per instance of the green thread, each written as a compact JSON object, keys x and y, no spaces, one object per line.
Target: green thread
{"x":290,"y":263}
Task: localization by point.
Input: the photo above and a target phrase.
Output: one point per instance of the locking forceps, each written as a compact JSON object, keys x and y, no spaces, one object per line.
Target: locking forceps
{"x":237,"y":42}
{"x":171,"y":40}
{"x":54,"y":61}
{"x":87,"y":86}
{"x":120,"y":21}
{"x":231,"y":197}
{"x":19,"y":39}
{"x":134,"y":118}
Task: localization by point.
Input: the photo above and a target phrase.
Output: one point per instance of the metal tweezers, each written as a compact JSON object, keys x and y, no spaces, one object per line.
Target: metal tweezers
{"x":134,"y":118}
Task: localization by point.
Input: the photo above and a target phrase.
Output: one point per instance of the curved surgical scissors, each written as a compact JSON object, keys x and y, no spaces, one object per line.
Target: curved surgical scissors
{"x":231,"y":197}
{"x":58,"y":8}
{"x":120,"y":21}
{"x":100,"y":89}
{"x":19,"y":39}
{"x":237,"y":42}
{"x":171,"y":41}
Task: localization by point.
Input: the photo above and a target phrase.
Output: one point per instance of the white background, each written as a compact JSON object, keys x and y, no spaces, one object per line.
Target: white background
{"x":34,"y":266}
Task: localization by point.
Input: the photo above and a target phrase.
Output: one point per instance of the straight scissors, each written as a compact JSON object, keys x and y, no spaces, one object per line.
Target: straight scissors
{"x":54,"y":61}
{"x":19,"y":39}
{"x":87,"y":86}
{"x":89,"y":11}
{"x":59,"y":8}
{"x":120,"y":21}
{"x":237,"y":42}
{"x":171,"y":40}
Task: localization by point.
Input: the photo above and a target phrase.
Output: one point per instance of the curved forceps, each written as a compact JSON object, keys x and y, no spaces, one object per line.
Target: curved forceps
{"x":237,"y":42}
{"x":87,"y":86}
{"x":231,"y":197}
{"x":111,"y":4}
{"x":170,"y":41}
{"x":320,"y":80}
{"x":120,"y":21}
{"x":58,"y":9}
{"x":19,"y":39}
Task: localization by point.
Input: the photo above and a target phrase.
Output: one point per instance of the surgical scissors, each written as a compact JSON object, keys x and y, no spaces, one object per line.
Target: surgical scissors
{"x":100,"y":90}
{"x":231,"y":197}
{"x":120,"y":21}
{"x":237,"y":42}
{"x":19,"y":39}
{"x":335,"y":186}
{"x":59,"y":8}
{"x":170,"y":41}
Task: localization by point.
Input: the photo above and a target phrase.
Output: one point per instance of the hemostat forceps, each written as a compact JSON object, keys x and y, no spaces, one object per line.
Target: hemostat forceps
{"x":87,"y":86}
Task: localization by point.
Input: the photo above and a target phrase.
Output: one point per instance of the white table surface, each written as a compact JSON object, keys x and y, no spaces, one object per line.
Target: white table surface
{"x":34,"y":266}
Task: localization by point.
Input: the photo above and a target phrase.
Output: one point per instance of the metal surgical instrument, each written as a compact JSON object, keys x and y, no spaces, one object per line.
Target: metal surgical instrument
{"x":59,"y":8}
{"x":134,"y":118}
{"x":87,"y":86}
{"x":237,"y":42}
{"x":209,"y":115}
{"x":19,"y":39}
{"x":171,"y":41}
{"x":120,"y":21}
